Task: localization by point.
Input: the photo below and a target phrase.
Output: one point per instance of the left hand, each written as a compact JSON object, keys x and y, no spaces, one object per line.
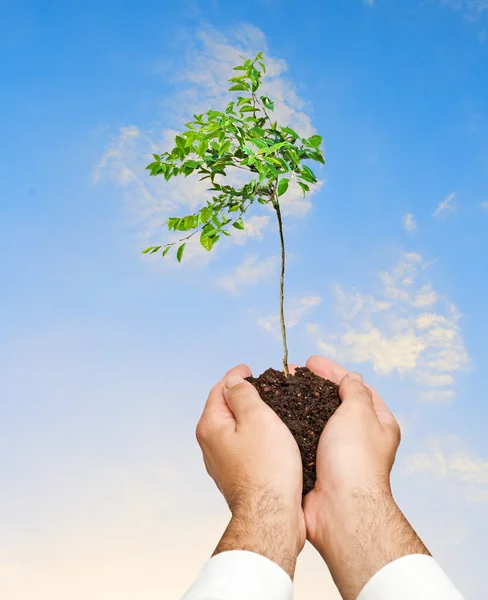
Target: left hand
{"x":255,"y":462}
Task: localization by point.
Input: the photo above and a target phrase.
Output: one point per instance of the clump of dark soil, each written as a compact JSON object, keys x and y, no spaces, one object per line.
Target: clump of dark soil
{"x":304,"y":402}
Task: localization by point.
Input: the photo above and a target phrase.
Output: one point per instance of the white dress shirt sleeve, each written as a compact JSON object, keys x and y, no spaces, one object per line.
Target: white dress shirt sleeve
{"x":412,"y":577}
{"x":241,"y":575}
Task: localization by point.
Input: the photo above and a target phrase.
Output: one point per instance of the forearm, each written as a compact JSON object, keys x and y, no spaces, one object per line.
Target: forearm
{"x":362,"y":533}
{"x":266,"y":527}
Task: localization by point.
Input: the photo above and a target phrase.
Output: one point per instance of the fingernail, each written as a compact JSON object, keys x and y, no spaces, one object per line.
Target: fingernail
{"x":355,"y":376}
{"x":233,"y":380}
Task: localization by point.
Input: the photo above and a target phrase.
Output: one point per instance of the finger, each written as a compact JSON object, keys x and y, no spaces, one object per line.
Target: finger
{"x":242,"y":370}
{"x":386,"y":418}
{"x":216,"y":406}
{"x":326,"y":368}
{"x":241,"y":396}
{"x":292,"y":368}
{"x":216,"y":400}
{"x":355,"y":394}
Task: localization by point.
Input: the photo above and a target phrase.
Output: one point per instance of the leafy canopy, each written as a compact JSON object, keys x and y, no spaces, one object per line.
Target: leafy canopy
{"x":244,"y":136}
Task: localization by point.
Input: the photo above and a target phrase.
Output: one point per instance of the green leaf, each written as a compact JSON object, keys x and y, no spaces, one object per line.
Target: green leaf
{"x":242,"y":100}
{"x":179,"y":253}
{"x":155,"y":249}
{"x":172,"y":223}
{"x":205,"y":214}
{"x":304,"y":187}
{"x":239,"y":224}
{"x":150,"y":249}
{"x":224,"y":148}
{"x":215,"y":221}
{"x":246,"y":109}
{"x":166,"y":250}
{"x":180,"y":142}
{"x":290,"y":131}
{"x":239,"y":87}
{"x":315,"y":140}
{"x":308,"y":174}
{"x":192,"y":164}
{"x":202,"y":148}
{"x":283,"y":186}
{"x":207,"y":242}
{"x":267,"y":103}
{"x":283,"y":163}
{"x":189,"y":222}
{"x":271,"y":167}
{"x":316,"y":155}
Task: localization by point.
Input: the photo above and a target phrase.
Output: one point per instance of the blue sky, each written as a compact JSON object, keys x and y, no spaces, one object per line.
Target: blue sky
{"x":107,"y":356}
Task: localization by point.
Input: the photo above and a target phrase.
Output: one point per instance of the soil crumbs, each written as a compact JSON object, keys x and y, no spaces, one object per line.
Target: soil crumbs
{"x":304,"y":402}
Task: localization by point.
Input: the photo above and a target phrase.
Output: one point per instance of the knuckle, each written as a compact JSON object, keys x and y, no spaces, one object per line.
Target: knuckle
{"x":356,"y":389}
{"x":243,"y":393}
{"x":395,"y":430}
{"x":202,"y":431}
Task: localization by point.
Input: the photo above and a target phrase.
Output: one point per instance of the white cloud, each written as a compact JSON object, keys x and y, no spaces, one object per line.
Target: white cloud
{"x":294,"y":313}
{"x":409,"y":223}
{"x":293,"y":203}
{"x":249,"y":272}
{"x":446,"y":205}
{"x":405,"y":328}
{"x":198,"y":84}
{"x":253,"y":228}
{"x":472,"y":8}
{"x":484,"y":205}
{"x":446,"y":459}
{"x":438,"y":396}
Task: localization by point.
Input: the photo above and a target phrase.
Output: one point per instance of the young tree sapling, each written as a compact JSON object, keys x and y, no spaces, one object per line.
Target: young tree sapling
{"x":246,"y":137}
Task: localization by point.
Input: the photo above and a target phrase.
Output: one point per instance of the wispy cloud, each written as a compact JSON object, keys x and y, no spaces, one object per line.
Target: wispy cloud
{"x":484,"y":205}
{"x":295,"y":311}
{"x":199,"y":83}
{"x":446,"y":205}
{"x":446,"y":459}
{"x":405,"y":328}
{"x":471,"y":8}
{"x":438,"y":396}
{"x":248,"y":273}
{"x":409,"y":223}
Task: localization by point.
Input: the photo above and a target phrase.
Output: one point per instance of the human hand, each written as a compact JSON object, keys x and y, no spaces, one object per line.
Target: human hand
{"x":255,"y":462}
{"x":351,"y":516}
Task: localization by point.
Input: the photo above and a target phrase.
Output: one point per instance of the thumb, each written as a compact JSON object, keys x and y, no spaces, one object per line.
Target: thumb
{"x":355,"y":395}
{"x":241,"y":396}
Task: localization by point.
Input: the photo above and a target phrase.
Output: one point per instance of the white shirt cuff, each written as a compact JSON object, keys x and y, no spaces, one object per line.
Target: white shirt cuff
{"x":241,"y":575}
{"x":413,"y":577}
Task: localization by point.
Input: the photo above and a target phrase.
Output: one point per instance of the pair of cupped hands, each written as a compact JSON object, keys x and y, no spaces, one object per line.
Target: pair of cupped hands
{"x":255,"y":462}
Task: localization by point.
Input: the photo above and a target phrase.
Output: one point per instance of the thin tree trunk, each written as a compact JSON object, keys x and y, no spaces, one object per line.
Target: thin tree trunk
{"x":276,"y":205}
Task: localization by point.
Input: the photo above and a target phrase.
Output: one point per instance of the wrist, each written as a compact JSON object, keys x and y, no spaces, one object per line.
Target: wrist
{"x":267,"y":528}
{"x":360,"y":534}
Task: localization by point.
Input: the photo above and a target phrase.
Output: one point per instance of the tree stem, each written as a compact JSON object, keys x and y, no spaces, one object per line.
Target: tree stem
{"x":276,"y":205}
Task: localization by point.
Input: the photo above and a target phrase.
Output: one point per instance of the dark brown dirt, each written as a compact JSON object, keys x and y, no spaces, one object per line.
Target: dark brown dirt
{"x":304,"y":402}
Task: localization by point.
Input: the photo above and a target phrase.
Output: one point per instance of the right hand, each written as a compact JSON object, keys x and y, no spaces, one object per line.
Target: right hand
{"x":350,"y":514}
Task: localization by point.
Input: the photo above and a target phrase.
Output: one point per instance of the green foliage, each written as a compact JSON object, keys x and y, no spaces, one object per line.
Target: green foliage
{"x":244,"y":136}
